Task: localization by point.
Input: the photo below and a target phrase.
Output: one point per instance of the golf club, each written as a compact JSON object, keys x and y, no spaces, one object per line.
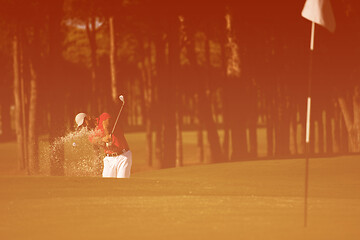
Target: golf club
{"x":121,"y":97}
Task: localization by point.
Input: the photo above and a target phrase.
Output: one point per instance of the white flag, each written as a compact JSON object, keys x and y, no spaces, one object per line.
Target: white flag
{"x":320,"y":12}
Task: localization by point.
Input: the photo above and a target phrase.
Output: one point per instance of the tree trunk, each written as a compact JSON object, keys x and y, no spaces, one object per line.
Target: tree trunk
{"x":356,"y":107}
{"x":23,"y":102}
{"x":321,"y":127}
{"x":252,"y":119}
{"x":159,"y":155}
{"x":146,"y":98}
{"x":112,"y":52}
{"x":282,"y":123}
{"x":159,"y":105}
{"x":337,"y":131}
{"x":226,"y":111}
{"x":18,"y":104}
{"x":344,"y":137}
{"x":226,"y":143}
{"x":352,"y":125}
{"x":6,"y":130}
{"x":91,"y":33}
{"x":213,"y":135}
{"x":169,"y":91}
{"x":236,"y":94}
{"x":200,"y":144}
{"x":329,"y":135}
{"x":225,"y":99}
{"x":356,"y":126}
{"x":206,"y":121}
{"x":269,"y":126}
{"x":293,"y":129}
{"x":149,"y":103}
{"x":179,"y":140}
{"x":33,"y":137}
{"x":149,"y":142}
{"x":238,"y":139}
{"x":54,"y":91}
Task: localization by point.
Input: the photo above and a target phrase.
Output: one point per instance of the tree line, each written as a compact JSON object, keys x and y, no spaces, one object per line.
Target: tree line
{"x":235,"y":66}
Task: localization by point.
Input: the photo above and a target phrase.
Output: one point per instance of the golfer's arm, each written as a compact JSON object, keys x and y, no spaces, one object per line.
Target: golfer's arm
{"x":107,"y":137}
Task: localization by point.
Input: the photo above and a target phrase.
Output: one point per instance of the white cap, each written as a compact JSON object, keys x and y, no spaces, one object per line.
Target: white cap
{"x":79,"y":119}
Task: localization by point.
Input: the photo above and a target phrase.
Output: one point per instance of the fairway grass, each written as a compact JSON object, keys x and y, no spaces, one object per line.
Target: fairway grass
{"x":239,"y":200}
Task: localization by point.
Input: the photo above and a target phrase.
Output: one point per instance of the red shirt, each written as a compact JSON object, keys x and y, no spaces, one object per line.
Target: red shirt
{"x":118,"y":141}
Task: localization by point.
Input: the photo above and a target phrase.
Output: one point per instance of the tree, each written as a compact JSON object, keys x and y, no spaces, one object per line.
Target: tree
{"x":5,"y":83}
{"x":26,"y":53}
{"x":55,"y":84}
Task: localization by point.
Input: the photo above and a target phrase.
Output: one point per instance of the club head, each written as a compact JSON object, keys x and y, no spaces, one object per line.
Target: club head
{"x":121,"y":97}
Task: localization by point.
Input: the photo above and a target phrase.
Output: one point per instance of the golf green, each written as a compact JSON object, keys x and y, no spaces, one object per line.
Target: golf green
{"x":240,"y":200}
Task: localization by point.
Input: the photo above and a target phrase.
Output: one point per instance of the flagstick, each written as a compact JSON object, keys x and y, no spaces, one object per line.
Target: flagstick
{"x":308,"y":111}
{"x":312,"y":36}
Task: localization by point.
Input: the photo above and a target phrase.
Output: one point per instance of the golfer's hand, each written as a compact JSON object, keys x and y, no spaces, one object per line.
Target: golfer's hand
{"x":107,"y":138}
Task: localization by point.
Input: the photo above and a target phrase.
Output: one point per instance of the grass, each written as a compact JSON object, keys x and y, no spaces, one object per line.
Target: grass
{"x":243,"y":200}
{"x":8,"y":158}
{"x":238,"y":200}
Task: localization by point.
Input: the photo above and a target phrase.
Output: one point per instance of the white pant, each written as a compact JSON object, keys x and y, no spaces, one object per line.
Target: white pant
{"x":118,"y":166}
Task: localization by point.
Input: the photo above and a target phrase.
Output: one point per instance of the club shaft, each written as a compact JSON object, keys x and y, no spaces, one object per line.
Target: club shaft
{"x":117,"y":118}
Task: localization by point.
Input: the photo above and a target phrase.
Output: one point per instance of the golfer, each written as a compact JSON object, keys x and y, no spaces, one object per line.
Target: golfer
{"x":118,"y":157}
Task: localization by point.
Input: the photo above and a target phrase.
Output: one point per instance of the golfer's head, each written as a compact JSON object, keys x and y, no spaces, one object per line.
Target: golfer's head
{"x":104,"y":121}
{"x":80,"y":119}
{"x":104,"y":116}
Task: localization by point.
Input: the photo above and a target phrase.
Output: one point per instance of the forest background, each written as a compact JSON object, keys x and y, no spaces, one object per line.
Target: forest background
{"x":234,"y":67}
